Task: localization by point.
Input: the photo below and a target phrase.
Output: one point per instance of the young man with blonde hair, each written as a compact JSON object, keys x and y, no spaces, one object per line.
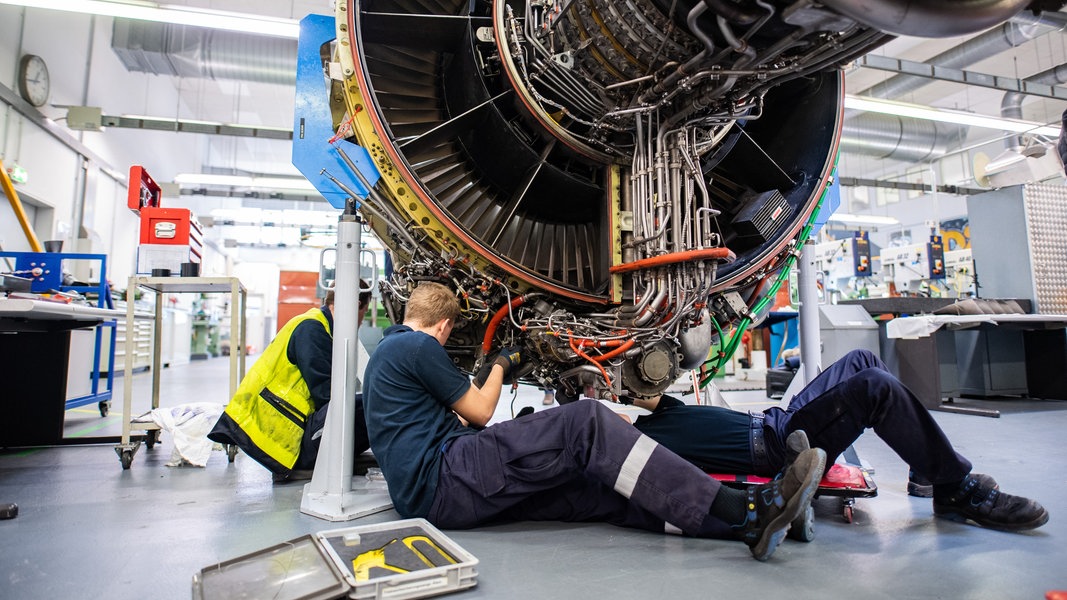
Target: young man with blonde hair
{"x":579,"y":462}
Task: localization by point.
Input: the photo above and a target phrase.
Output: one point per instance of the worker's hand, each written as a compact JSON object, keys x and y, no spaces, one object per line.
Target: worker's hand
{"x":509,"y":358}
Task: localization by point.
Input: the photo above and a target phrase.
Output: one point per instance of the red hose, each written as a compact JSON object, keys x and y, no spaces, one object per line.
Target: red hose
{"x":674,"y":257}
{"x":600,"y":344}
{"x":579,"y":352}
{"x":490,"y":331}
{"x":623,"y":348}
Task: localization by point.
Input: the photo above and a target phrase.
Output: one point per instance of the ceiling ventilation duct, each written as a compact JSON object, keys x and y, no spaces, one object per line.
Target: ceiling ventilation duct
{"x":185,"y":51}
{"x":614,"y":187}
{"x":891,"y":137}
{"x":1022,"y":28}
{"x":1011,"y":106}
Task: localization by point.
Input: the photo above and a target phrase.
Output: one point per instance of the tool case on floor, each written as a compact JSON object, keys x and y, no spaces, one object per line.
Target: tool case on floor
{"x":398,"y":560}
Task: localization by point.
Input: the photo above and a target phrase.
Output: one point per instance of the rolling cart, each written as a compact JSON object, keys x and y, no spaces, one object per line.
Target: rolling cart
{"x":45,"y":272}
{"x":127,"y":448}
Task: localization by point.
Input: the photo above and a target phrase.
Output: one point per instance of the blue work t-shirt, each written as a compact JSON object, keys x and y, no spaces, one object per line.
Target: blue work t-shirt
{"x":409,"y":388}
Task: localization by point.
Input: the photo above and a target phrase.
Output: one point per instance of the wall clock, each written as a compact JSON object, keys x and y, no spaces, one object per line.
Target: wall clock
{"x":34,"y":83}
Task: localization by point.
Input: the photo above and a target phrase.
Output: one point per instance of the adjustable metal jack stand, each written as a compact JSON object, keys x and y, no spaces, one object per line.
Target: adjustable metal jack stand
{"x":811,"y":340}
{"x":808,"y":313}
{"x":333,"y":494}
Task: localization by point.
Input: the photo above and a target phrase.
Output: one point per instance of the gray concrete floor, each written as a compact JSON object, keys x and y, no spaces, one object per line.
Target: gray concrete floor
{"x":88,"y":529}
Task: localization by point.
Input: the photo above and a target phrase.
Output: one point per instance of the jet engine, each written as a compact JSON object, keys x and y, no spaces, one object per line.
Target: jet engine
{"x":617,"y":186}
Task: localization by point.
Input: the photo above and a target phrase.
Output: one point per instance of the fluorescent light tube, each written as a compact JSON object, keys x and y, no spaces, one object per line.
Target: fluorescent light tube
{"x":862,"y":219}
{"x":263,"y":183}
{"x":170,"y":13}
{"x":944,"y":115}
{"x":282,"y":183}
{"x":209,"y":179}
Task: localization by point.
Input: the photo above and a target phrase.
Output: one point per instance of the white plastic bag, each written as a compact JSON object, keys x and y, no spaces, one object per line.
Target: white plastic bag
{"x":188,"y":425}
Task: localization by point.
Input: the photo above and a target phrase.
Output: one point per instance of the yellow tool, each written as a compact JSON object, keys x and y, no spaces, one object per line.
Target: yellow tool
{"x":410,"y":540}
{"x":362,"y":564}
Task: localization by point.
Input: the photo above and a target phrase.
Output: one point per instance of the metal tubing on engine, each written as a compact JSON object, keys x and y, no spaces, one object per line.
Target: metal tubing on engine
{"x":810,"y":340}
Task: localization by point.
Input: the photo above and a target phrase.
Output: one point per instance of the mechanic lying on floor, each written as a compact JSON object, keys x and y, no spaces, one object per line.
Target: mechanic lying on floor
{"x":857,"y":392}
{"x":577,"y":463}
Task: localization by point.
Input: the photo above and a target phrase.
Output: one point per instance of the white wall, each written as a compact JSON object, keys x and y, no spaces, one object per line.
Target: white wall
{"x":85,"y":71}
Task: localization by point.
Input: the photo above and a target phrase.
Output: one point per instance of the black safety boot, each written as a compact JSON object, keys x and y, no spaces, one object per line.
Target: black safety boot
{"x":979,"y":499}
{"x":293,"y":475}
{"x":772,"y":507}
{"x":919,"y":486}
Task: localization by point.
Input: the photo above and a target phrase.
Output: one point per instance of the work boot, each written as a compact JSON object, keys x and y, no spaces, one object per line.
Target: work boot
{"x":795,"y":443}
{"x":772,"y":507}
{"x":979,"y":499}
{"x":802,"y":529}
{"x":293,"y":475}
{"x":919,"y":486}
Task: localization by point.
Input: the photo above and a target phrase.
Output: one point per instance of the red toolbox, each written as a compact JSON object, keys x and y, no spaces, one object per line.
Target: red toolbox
{"x":169,"y":236}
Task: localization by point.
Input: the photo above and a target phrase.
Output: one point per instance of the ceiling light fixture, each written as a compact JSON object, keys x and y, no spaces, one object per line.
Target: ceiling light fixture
{"x":850,"y":219}
{"x":171,"y":13}
{"x":243,"y":181}
{"x":944,"y":115}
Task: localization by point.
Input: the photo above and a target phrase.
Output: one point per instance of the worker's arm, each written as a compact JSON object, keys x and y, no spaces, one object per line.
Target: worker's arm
{"x":478,"y":404}
{"x":647,"y":403}
{"x":311,"y":350}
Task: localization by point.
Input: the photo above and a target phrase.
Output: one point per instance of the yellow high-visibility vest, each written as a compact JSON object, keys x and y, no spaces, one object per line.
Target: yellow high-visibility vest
{"x":272,"y":405}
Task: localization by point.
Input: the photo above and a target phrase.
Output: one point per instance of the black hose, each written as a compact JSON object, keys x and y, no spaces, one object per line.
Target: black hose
{"x":732,"y":12}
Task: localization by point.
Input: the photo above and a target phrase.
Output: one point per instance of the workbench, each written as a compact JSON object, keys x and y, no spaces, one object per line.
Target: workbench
{"x":919,"y":364}
{"x":127,"y":448}
{"x":35,"y":344}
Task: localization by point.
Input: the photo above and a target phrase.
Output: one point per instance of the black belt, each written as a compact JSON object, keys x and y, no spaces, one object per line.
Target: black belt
{"x":761,"y":465}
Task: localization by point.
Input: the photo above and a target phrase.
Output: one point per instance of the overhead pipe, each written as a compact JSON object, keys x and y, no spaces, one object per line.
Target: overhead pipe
{"x":1022,"y":28}
{"x":895,"y":138}
{"x":1011,"y":106}
{"x":186,"y":51}
{"x":928,"y":18}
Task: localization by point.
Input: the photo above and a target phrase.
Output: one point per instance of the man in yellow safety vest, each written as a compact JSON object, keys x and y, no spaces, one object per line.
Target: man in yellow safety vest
{"x":279,"y":410}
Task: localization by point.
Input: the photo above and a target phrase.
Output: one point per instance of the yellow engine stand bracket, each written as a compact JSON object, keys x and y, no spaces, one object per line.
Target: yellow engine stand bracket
{"x":20,"y":213}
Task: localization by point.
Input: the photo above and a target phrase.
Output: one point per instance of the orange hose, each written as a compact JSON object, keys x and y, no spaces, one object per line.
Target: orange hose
{"x":16,"y":205}
{"x":608,"y":355}
{"x":578,"y":351}
{"x":674,"y":257}
{"x":600,"y":344}
{"x":490,"y":331}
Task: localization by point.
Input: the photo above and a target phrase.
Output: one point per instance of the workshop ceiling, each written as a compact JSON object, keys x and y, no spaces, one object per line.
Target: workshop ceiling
{"x":271,"y":104}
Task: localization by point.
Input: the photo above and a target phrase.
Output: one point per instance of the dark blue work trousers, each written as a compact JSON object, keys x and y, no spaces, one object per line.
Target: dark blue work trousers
{"x":858,"y":392}
{"x":579,"y":462}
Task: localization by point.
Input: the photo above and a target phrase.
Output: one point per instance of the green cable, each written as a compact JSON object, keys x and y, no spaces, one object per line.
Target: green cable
{"x":742,"y":325}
